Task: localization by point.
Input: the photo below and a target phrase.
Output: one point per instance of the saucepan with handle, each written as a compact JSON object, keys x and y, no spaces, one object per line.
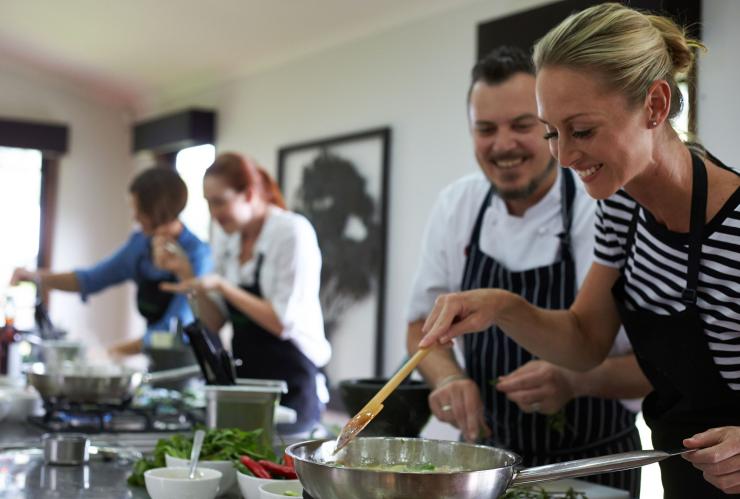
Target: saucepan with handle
{"x":399,"y":468}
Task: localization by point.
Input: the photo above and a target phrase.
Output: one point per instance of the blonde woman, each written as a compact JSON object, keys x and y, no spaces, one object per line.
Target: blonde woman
{"x":667,"y":243}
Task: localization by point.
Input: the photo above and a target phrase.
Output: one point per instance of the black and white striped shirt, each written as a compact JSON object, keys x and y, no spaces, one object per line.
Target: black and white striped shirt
{"x":655,"y":271}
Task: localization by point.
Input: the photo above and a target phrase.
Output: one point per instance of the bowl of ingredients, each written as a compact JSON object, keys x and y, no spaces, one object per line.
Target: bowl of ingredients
{"x":255,"y":473}
{"x":228,"y":472}
{"x":220,"y":446}
{"x":174,"y":483}
{"x":405,"y":411}
{"x":278,"y":490}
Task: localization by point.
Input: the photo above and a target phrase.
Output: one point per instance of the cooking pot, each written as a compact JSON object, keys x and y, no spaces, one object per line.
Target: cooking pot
{"x":476,"y":471}
{"x":100,"y":384}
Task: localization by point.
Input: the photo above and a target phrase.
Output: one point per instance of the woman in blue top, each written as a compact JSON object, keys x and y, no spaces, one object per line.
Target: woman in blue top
{"x":157,"y":196}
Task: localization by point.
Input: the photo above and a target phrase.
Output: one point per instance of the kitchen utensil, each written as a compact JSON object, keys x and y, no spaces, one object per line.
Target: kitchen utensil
{"x":477,"y":471}
{"x":195,"y":453}
{"x":91,"y":383}
{"x":375,"y":404}
{"x":66,"y":448}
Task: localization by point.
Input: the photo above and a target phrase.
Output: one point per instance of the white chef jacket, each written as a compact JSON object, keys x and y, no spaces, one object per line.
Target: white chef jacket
{"x":518,"y":243}
{"x":290,"y":277}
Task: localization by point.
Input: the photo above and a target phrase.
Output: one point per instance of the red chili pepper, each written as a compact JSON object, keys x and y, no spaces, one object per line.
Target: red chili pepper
{"x":278,"y":469}
{"x":288,"y":461}
{"x":256,"y":468}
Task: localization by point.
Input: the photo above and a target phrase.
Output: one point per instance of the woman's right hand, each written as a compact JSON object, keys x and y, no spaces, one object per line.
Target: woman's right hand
{"x":455,"y":314}
{"x":168,"y":255}
{"x":23,"y":275}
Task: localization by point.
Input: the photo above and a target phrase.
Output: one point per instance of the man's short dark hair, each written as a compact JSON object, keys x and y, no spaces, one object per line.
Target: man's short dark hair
{"x":160,"y":194}
{"x":499,"y":65}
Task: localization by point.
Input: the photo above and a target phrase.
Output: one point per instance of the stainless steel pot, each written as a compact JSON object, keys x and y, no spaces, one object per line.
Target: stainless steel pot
{"x":487,"y":471}
{"x":96,"y":383}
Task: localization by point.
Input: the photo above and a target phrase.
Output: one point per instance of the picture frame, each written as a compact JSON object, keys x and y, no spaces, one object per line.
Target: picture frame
{"x":340,"y":184}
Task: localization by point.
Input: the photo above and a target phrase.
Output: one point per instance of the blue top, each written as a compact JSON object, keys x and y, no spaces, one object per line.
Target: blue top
{"x":133,"y":261}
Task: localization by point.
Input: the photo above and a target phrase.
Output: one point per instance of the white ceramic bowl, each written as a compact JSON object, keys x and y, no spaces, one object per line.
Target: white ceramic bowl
{"x":281,"y":489}
{"x":228,"y":472}
{"x":173,"y":483}
{"x":250,"y":486}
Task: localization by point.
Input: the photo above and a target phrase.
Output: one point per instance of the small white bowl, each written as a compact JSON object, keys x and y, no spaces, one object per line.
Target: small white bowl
{"x":250,"y":485}
{"x":281,"y":489}
{"x":173,"y":483}
{"x":228,"y":472}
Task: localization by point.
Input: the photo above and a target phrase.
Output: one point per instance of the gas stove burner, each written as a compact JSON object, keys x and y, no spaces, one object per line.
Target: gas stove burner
{"x":98,"y":419}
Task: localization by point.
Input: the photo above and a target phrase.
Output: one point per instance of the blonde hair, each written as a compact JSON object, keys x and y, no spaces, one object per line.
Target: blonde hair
{"x":628,"y":48}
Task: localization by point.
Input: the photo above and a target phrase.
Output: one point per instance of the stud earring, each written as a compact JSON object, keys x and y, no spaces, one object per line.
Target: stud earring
{"x":653,"y":123}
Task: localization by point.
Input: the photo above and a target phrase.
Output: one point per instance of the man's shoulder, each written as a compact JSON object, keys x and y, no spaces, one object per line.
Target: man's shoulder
{"x":469,"y":189}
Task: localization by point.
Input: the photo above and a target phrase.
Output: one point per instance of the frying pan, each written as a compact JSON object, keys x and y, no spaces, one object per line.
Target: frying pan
{"x":486,"y":471}
{"x":98,"y":384}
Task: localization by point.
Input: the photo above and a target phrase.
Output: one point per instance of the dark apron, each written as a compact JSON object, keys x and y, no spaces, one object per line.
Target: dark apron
{"x":593,"y":426}
{"x":151,"y":301}
{"x":265,"y":356}
{"x":689,"y":395}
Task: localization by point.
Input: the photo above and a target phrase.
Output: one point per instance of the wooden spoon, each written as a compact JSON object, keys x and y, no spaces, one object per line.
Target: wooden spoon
{"x":360,"y":420}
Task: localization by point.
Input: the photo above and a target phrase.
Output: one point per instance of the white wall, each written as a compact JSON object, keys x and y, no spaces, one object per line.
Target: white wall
{"x":719,"y":73}
{"x":92,"y":211}
{"x":413,"y":78}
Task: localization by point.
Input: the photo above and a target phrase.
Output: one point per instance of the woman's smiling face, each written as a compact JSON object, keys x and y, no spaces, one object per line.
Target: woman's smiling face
{"x":593,"y":129}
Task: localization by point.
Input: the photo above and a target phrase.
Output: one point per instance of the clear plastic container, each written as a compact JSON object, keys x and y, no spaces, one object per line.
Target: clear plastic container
{"x":248,"y":405}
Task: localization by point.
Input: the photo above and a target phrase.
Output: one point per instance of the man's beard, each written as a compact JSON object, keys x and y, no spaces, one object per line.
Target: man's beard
{"x":531,"y":187}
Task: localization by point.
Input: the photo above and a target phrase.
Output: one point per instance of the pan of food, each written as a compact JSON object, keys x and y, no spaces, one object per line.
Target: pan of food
{"x":399,"y":468}
{"x":96,"y":383}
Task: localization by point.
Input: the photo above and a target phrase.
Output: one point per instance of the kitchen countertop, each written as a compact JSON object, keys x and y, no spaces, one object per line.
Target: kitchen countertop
{"x":24,"y":475}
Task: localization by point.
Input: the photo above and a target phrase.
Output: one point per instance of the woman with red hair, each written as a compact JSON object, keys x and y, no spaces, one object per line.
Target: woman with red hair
{"x":266,"y":282}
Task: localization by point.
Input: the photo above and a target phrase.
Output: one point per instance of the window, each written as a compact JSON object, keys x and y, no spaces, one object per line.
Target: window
{"x":191,"y":164}
{"x":20,"y":224}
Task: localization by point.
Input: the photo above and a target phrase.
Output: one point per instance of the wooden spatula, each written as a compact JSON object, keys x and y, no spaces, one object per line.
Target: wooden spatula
{"x":360,"y":420}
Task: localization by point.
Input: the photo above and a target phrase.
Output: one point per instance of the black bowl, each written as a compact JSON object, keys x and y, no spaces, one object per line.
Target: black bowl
{"x":405,"y":411}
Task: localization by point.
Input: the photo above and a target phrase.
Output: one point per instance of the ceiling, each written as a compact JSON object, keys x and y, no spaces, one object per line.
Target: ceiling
{"x":128,"y":51}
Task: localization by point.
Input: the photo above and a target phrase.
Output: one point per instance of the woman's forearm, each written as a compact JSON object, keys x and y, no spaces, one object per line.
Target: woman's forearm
{"x":258,"y":309}
{"x":556,"y":336}
{"x":65,"y":281}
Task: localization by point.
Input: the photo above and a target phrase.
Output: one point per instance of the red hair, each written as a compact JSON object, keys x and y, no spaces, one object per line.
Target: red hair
{"x":242,"y":173}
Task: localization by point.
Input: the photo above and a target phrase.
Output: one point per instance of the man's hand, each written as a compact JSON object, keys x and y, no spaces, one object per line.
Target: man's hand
{"x":718,"y":457}
{"x":538,"y":386}
{"x":458,"y":403}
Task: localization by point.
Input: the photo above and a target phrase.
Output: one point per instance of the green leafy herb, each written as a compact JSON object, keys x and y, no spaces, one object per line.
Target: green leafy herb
{"x":557,"y":422}
{"x":218,"y":445}
{"x":534,"y":492}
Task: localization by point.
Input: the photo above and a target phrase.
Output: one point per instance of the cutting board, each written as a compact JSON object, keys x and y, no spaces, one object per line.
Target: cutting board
{"x":592,"y":490}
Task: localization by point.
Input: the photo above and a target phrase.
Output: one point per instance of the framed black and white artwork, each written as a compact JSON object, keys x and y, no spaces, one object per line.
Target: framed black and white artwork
{"x":341,"y":185}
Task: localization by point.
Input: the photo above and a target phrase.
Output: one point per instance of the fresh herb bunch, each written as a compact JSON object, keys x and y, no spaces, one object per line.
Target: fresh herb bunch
{"x":534,"y":492}
{"x":218,"y":445}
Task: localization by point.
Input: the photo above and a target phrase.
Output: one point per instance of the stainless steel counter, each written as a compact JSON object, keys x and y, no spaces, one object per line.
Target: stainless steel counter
{"x":23,"y":473}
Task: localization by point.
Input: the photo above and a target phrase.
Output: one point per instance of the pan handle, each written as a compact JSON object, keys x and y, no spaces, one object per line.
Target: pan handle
{"x":591,"y":466}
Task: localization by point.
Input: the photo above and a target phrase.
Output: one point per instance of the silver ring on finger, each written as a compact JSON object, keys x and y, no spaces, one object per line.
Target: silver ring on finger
{"x":536,"y":407}
{"x":446,"y":408}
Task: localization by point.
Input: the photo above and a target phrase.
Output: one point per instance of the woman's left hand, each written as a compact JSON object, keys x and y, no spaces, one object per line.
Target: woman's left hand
{"x":210,"y":282}
{"x":718,"y":457}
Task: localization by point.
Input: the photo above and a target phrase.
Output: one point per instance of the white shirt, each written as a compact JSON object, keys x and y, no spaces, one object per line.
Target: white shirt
{"x":518,"y":243}
{"x":290,"y":277}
